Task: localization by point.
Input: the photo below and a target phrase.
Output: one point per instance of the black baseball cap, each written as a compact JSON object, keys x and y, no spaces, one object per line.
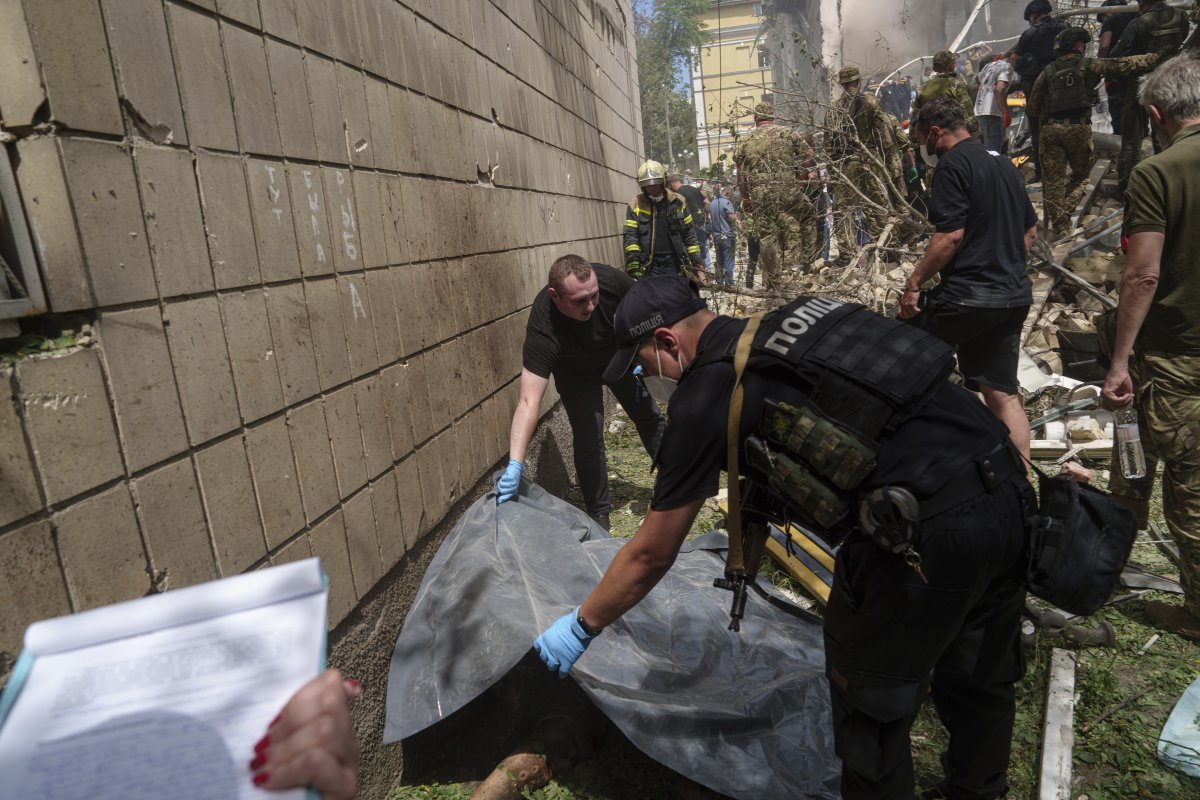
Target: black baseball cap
{"x":654,"y":302}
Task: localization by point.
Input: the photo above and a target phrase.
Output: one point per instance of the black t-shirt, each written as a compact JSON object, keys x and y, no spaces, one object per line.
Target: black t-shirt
{"x":695,"y":204}
{"x":556,"y":344}
{"x":950,"y":431}
{"x":984,"y":196}
{"x":1035,"y":48}
{"x":1115,"y":24}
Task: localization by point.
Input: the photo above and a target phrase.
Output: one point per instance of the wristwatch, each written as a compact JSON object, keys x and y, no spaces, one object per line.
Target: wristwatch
{"x":588,"y":629}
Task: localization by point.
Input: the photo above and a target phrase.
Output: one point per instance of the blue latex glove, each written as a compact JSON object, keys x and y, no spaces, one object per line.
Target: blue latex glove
{"x":637,"y":371}
{"x":561,"y":645}
{"x":510,"y":481}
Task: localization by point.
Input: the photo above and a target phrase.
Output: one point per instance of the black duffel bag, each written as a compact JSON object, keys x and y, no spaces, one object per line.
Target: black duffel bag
{"x":1080,"y":541}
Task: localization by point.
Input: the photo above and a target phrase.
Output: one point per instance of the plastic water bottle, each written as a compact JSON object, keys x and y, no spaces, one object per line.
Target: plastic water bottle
{"x":1129,"y":443}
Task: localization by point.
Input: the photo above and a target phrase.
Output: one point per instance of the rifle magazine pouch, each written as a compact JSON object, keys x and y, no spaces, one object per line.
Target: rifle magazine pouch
{"x":838,"y":455}
{"x":808,"y":492}
{"x":1079,"y":544}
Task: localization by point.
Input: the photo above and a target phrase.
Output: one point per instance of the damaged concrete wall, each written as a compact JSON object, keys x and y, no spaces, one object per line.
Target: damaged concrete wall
{"x":305,"y":233}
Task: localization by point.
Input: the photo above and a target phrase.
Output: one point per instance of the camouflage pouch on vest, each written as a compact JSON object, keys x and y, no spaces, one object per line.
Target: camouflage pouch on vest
{"x":834,"y":453}
{"x":814,"y":495}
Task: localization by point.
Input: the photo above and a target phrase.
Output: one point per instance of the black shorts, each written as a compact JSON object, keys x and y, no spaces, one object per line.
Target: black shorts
{"x":987,"y":341}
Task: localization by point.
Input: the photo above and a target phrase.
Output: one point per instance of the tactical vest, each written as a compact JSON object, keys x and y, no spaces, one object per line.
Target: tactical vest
{"x":868,"y":375}
{"x":1166,"y":32}
{"x":1070,"y":88}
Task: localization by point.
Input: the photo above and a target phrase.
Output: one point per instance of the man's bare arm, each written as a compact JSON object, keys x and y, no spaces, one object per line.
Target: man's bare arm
{"x":942,"y":247}
{"x":639,"y":565}
{"x":1138,"y":284}
{"x":532,"y":389}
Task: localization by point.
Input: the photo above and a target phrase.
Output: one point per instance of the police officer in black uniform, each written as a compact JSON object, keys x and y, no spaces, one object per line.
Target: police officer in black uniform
{"x":942,"y":490}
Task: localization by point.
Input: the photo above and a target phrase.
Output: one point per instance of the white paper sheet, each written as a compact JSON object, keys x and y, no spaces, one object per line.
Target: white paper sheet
{"x":173,"y":712}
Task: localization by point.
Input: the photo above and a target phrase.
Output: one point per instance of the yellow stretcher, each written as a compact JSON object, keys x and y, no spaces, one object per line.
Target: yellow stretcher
{"x":803,"y":556}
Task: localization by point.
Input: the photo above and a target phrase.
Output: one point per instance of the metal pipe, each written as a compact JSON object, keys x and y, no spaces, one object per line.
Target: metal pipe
{"x":1093,"y":239}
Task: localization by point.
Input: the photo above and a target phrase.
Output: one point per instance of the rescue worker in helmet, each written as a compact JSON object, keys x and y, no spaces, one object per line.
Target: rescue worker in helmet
{"x":659,"y":234}
{"x":1062,"y":100}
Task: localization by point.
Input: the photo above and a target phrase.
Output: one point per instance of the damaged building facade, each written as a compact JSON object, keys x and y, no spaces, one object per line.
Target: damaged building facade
{"x":296,"y":242}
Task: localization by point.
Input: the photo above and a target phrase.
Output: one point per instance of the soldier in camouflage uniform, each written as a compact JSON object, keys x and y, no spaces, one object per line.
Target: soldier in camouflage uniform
{"x":1062,"y":100}
{"x":1160,"y":316}
{"x":1161,"y":30}
{"x":946,"y":83}
{"x":774,"y":168}
{"x":861,"y":133}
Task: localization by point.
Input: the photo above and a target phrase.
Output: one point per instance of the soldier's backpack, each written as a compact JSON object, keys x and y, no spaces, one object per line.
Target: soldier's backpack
{"x":1070,"y":87}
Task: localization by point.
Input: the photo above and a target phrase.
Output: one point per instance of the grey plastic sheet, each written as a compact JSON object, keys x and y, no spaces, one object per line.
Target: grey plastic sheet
{"x":746,"y":714}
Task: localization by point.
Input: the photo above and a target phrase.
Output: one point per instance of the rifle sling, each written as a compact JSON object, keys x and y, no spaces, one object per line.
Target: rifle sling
{"x":735,"y":560}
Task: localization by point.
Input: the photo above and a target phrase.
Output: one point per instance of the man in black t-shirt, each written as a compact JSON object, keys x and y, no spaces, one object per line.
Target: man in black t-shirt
{"x":570,"y":336}
{"x":698,"y":208}
{"x":1111,"y":28}
{"x":984,"y":225}
{"x":891,"y":631}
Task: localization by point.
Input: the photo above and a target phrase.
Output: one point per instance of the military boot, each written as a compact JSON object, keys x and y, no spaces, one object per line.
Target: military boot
{"x":1175,"y":619}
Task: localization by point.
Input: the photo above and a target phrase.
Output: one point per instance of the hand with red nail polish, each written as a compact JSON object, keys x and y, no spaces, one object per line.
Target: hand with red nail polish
{"x":311,"y":742}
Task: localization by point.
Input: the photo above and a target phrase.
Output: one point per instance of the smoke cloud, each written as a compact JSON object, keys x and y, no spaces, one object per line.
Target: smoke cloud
{"x":880,"y":35}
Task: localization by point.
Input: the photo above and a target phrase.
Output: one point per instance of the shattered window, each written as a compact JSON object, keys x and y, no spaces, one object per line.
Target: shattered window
{"x":20,"y":284}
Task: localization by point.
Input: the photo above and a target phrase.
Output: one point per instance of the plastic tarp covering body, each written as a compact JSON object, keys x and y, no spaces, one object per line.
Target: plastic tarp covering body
{"x":746,"y":714}
{"x":1179,"y":743}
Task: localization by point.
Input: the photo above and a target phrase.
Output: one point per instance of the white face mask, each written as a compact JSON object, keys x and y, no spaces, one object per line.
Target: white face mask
{"x":660,"y":388}
{"x":928,"y":155}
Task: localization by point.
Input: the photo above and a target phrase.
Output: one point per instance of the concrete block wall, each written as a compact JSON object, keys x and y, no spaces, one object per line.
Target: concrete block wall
{"x":306,"y":233}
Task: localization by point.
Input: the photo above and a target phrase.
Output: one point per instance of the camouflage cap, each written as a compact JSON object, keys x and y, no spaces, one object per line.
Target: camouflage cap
{"x":765,"y":110}
{"x":944,"y":60}
{"x":849,"y":74}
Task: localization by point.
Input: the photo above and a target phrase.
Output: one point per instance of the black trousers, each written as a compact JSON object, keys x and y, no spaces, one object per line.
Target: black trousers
{"x":1035,"y":132}
{"x":583,"y":398}
{"x":889,"y":636}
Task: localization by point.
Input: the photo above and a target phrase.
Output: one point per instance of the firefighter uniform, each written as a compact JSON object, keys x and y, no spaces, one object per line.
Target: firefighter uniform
{"x":659,"y":236}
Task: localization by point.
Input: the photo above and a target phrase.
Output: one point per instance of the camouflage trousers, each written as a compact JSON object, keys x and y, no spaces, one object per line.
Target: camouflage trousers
{"x":1168,"y":404}
{"x":787,"y":235}
{"x":864,"y":178}
{"x":1064,"y":146}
